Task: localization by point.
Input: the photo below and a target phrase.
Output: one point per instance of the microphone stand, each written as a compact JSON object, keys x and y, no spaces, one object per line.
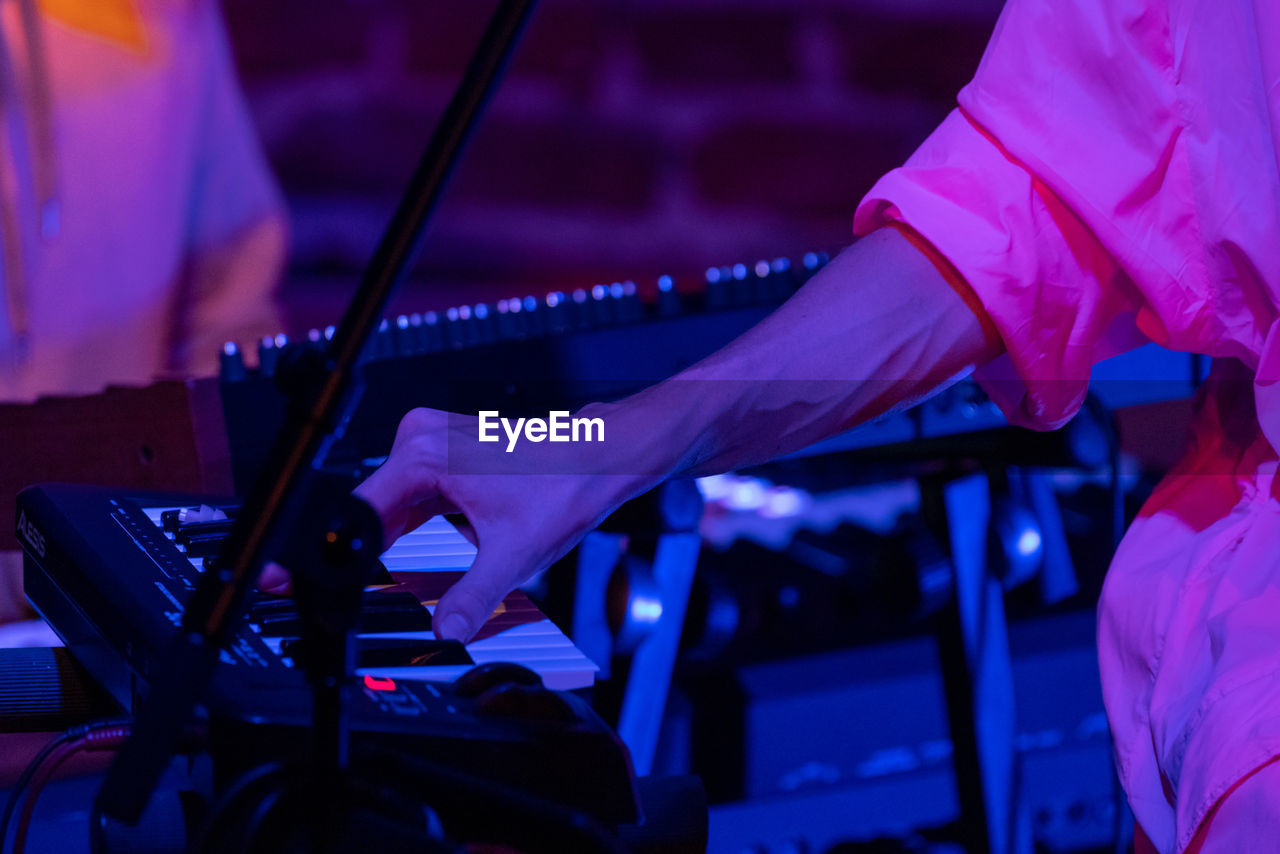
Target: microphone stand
{"x":326,"y":388}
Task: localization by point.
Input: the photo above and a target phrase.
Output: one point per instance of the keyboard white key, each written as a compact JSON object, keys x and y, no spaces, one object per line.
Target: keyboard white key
{"x":518,"y":632}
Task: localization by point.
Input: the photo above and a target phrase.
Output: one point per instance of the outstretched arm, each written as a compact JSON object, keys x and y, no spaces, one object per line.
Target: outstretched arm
{"x":877,"y":327}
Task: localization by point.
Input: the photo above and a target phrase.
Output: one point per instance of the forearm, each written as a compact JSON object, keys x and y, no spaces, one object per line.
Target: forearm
{"x":880,"y":326}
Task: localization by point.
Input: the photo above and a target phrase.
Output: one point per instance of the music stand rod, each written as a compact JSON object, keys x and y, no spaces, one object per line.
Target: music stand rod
{"x":218,"y":603}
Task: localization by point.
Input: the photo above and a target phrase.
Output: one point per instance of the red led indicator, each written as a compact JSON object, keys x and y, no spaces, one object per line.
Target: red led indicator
{"x":379,"y":683}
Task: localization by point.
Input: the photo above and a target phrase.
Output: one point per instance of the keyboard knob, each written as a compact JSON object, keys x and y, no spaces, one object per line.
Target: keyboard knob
{"x":510,"y":318}
{"x":761,"y":277}
{"x":526,"y":702}
{"x":455,"y":328}
{"x":717,"y":286}
{"x":579,"y":310}
{"x":558,"y":319}
{"x":483,"y":320}
{"x":784,"y":282}
{"x":535,"y":321}
{"x":381,"y":346}
{"x":630,"y":307}
{"x":231,"y":363}
{"x":432,"y":334}
{"x":268,"y":354}
{"x":601,"y":306}
{"x":668,"y":297}
{"x":402,"y":336}
{"x":477,"y":680}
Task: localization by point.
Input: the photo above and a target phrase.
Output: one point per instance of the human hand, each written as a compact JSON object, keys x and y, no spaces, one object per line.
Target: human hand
{"x":522,"y":509}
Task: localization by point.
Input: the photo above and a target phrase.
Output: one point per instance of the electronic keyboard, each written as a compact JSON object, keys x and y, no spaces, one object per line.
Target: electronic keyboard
{"x":110,"y":571}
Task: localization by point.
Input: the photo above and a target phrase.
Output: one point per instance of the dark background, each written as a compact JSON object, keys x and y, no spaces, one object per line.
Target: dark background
{"x":631,"y":138}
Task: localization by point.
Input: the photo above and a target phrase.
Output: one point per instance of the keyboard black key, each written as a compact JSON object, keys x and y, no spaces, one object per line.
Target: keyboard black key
{"x":200,"y":543}
{"x":212,"y":526}
{"x":381,"y":611}
{"x":379,"y":575}
{"x":394,"y":652}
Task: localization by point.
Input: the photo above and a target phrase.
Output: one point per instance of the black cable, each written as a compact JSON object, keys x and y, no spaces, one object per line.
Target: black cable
{"x":24,"y":779}
{"x":98,"y":738}
{"x":206,"y":837}
{"x":258,"y":819}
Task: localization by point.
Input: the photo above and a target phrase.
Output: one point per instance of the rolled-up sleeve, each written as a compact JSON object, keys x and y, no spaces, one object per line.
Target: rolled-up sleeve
{"x":1053,"y":295}
{"x":1059,"y":191}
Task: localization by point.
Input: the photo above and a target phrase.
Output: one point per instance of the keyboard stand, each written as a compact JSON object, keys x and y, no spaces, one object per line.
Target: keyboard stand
{"x":657,"y":597}
{"x":977,"y":672}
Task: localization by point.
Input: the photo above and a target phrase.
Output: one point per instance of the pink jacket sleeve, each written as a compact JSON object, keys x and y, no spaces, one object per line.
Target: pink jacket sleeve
{"x":1097,"y":189}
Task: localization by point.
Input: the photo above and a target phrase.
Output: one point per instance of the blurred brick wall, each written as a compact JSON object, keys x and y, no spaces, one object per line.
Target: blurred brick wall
{"x":630,"y":138}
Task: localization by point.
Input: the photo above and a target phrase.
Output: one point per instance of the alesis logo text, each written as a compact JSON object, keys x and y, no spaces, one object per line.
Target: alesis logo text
{"x":31,"y":534}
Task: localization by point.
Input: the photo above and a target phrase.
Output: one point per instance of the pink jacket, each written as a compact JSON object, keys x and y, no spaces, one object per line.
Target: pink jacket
{"x":140,"y":225}
{"x":1112,"y":177}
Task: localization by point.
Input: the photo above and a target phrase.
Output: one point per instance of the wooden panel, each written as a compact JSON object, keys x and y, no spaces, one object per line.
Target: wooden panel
{"x":168,"y":435}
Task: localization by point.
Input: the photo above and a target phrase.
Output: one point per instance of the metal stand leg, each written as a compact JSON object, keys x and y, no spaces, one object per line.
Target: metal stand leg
{"x":645,"y":699}
{"x":973,"y":645}
{"x":598,"y":554}
{"x":1058,"y":574}
{"x":658,"y":596}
